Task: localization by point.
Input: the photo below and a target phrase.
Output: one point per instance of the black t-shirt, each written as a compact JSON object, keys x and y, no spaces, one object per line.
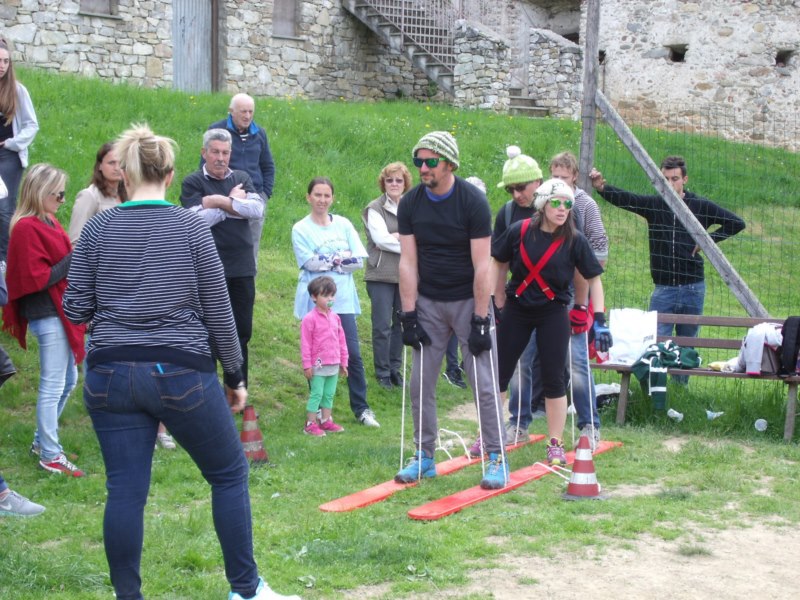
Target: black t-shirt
{"x":443,"y":230}
{"x":559,"y":271}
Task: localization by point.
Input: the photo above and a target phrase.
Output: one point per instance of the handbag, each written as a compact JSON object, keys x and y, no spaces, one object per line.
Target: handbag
{"x":632,"y":330}
{"x":7,"y":368}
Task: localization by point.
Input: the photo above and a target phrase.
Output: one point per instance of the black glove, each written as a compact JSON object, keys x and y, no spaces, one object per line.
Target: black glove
{"x":480,"y":338}
{"x":579,"y":318}
{"x":413,"y":333}
{"x":602,"y":335}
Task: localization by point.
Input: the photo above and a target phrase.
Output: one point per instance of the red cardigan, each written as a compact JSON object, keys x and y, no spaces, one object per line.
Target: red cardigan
{"x":34,"y":248}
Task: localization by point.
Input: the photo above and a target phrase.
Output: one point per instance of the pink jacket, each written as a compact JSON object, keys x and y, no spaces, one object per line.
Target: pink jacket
{"x":322,"y":340}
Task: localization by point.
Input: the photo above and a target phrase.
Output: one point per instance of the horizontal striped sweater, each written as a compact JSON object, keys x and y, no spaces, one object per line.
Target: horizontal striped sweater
{"x":148,"y":277}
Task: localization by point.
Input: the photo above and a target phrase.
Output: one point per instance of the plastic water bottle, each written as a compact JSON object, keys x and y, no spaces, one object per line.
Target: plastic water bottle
{"x":761,"y":425}
{"x":713,"y":415}
{"x":675,"y":415}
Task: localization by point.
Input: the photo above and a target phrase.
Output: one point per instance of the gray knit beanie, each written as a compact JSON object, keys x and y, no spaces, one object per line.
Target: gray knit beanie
{"x":440,"y":142}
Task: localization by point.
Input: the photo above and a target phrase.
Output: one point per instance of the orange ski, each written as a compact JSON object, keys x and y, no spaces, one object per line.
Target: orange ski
{"x":382,"y":491}
{"x":454,"y":503}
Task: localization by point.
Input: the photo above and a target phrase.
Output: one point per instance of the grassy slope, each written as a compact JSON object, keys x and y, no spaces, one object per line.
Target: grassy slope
{"x":61,"y":552}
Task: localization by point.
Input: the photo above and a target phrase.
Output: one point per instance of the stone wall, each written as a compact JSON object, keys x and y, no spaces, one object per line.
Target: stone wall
{"x":482,"y":75}
{"x":729,"y":66}
{"x":555,"y":73}
{"x":54,"y":35}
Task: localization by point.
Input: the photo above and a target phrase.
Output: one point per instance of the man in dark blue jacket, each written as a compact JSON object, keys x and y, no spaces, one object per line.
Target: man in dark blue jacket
{"x":250,"y":153}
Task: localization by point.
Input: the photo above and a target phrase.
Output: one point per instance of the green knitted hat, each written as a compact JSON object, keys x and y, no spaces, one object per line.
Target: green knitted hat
{"x":519,"y":168}
{"x":440,"y":142}
{"x":552,"y":188}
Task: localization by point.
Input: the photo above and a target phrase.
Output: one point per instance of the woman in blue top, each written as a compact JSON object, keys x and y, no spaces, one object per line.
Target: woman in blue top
{"x":326,"y":244}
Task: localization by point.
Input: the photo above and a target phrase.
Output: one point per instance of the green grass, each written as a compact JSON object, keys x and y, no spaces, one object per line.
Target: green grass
{"x":723,"y":473}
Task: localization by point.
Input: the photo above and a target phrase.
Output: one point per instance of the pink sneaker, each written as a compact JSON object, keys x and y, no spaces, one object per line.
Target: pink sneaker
{"x":313,"y":429}
{"x":330,"y":426}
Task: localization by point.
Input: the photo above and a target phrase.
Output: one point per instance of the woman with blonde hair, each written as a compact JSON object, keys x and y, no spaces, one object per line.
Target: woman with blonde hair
{"x":18,"y":127}
{"x":148,"y":277}
{"x":39,"y":251}
{"x":383,"y":273}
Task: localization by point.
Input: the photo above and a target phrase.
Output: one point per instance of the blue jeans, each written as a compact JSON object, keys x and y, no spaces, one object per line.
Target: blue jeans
{"x":679,"y":300}
{"x":523,"y":386}
{"x":126,"y":401}
{"x":58,"y":375}
{"x":451,"y":356}
{"x":356,"y":379}
{"x":11,"y":173}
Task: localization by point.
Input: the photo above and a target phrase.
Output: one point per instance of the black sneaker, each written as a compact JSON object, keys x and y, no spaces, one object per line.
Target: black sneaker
{"x":396,"y":378}
{"x":385,"y":383}
{"x":454,"y":379}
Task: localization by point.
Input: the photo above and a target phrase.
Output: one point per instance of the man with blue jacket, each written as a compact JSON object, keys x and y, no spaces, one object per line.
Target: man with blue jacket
{"x":250,"y":153}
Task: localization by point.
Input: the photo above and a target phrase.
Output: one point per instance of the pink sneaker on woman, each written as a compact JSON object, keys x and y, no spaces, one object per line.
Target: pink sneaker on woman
{"x":330,"y":426}
{"x":313,"y":429}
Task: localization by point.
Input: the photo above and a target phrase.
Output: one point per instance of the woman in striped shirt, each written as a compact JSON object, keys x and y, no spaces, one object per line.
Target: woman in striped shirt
{"x":146,"y":274}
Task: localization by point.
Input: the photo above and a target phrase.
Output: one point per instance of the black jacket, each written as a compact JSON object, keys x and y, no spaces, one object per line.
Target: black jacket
{"x":671,"y":246}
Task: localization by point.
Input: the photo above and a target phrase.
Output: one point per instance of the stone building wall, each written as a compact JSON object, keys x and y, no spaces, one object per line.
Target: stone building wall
{"x":730,"y":63}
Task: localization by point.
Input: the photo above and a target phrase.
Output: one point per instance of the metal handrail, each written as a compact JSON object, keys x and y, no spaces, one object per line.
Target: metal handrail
{"x":430,"y":24}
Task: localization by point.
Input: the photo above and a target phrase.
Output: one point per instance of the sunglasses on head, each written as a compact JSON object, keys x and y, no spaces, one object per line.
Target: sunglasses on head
{"x":555,"y":203}
{"x":517,"y":187}
{"x":431,"y":163}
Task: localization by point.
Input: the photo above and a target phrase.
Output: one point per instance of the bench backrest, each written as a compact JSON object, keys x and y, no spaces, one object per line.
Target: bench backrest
{"x":736,"y":326}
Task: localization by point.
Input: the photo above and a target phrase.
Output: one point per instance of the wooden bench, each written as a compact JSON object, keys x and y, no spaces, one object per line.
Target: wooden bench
{"x":734,"y":330}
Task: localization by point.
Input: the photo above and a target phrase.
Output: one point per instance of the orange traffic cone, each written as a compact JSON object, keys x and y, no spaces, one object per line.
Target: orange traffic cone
{"x":251,"y":438}
{"x":583,"y":481}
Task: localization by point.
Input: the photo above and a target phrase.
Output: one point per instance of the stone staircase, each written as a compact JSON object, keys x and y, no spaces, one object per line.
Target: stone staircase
{"x":425,"y":38}
{"x":525,"y":105}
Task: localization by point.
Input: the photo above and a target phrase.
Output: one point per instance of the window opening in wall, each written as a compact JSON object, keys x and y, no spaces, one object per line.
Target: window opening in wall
{"x":601,"y":57}
{"x":100,"y":7}
{"x":284,"y":18}
{"x":783,"y":57}
{"x":575,"y":37}
{"x":677,"y":53}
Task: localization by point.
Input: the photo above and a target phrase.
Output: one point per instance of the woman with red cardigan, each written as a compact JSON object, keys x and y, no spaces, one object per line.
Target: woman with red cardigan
{"x":39,"y":253}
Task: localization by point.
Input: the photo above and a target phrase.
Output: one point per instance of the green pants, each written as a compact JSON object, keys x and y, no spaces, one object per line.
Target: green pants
{"x":322,"y":390}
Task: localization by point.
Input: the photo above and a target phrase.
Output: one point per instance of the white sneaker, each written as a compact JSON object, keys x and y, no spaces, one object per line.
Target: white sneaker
{"x":594,"y":440}
{"x":165,"y":441}
{"x":19,"y":506}
{"x":368,"y":419}
{"x":263,"y":592}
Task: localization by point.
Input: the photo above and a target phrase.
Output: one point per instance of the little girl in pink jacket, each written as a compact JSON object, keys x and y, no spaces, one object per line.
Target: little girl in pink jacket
{"x":324,"y":352}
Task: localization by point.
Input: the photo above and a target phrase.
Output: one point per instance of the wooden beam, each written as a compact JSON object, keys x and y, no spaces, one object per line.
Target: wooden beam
{"x":588,"y":109}
{"x":715,"y":256}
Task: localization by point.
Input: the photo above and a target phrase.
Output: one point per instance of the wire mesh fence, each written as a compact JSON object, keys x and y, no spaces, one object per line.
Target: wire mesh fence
{"x":756,"y":181}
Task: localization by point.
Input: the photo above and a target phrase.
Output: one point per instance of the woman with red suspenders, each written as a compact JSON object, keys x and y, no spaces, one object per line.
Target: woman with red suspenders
{"x":542,"y":254}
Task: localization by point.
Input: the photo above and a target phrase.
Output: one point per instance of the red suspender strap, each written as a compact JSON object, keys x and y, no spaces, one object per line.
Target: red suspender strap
{"x":535,"y":270}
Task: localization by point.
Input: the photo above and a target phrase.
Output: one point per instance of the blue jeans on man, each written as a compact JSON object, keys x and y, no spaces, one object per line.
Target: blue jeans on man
{"x":58,"y":375}
{"x":685,"y":299}
{"x":126,"y":401}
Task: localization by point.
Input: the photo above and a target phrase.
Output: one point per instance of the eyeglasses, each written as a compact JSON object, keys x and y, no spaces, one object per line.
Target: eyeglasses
{"x":397,"y":180}
{"x":518,"y":187}
{"x":431,"y":163}
{"x":555,"y":203}
{"x":59,"y":195}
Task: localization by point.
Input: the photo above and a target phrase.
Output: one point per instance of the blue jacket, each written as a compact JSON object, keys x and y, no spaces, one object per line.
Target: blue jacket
{"x":252,"y":156}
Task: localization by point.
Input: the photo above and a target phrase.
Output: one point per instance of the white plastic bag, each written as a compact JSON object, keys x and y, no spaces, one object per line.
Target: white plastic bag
{"x":632,"y":330}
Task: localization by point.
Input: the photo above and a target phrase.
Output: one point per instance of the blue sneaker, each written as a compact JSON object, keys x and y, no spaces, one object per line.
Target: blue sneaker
{"x":418,"y":467}
{"x":496,"y":475}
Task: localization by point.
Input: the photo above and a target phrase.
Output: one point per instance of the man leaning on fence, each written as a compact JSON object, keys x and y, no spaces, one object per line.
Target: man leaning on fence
{"x":675,"y":262}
